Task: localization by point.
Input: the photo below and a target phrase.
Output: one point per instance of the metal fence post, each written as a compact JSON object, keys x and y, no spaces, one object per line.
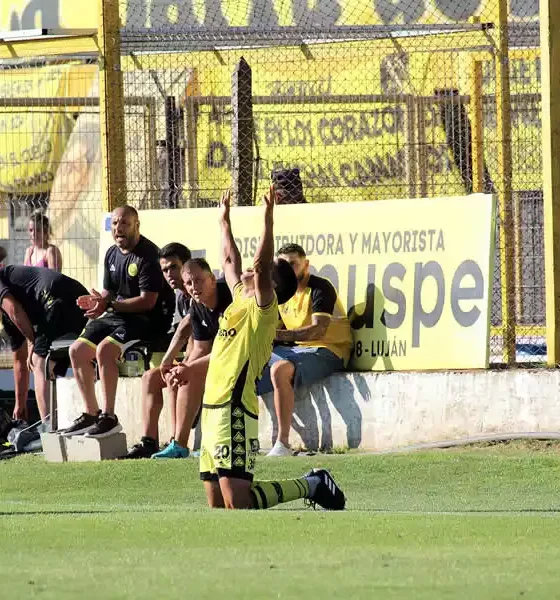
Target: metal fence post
{"x":242,"y":133}
{"x":505,"y":175}
{"x":173,"y":152}
{"x":477,"y":127}
{"x":550,"y":81}
{"x":111,"y":106}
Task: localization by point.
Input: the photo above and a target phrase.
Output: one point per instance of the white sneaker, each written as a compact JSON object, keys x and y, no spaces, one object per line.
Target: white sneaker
{"x":280,"y":450}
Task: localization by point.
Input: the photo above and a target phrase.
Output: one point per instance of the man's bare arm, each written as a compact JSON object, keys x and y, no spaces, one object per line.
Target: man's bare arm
{"x":264,"y":289}
{"x":231,"y":258}
{"x":200,"y":355}
{"x":315,"y":331}
{"x":201,"y":352}
{"x":180,"y":339}
{"x":21,"y":382}
{"x":18,"y":317}
{"x":140,"y":304}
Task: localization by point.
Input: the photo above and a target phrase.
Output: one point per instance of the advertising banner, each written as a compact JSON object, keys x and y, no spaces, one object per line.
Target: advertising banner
{"x":257,"y":14}
{"x":414,"y":275}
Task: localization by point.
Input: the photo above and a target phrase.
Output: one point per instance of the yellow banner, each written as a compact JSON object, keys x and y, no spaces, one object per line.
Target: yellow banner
{"x":33,"y":137}
{"x":414,"y":275}
{"x":362,"y":121}
{"x":307,"y":116}
{"x":345,"y":152}
{"x":260,"y":14}
{"x":526,"y":124}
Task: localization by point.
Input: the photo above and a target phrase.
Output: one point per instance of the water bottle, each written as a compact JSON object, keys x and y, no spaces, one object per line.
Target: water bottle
{"x":133,"y":364}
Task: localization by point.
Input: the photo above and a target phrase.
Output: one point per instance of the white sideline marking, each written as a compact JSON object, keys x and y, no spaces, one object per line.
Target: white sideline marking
{"x":174,"y":508}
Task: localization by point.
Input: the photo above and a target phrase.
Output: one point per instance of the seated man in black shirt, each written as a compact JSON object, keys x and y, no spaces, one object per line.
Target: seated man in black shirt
{"x":172,"y":259}
{"x":210,"y":298}
{"x":38,"y":306}
{"x":135,"y":304}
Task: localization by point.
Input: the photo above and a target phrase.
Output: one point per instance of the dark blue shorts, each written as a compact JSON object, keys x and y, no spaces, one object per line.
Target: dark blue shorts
{"x":312,"y":365}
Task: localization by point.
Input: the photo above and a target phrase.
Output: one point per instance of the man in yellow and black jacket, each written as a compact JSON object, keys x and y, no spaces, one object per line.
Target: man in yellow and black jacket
{"x":315,"y":342}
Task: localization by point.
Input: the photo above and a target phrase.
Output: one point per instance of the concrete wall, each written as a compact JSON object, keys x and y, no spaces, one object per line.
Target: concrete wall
{"x":384,"y":411}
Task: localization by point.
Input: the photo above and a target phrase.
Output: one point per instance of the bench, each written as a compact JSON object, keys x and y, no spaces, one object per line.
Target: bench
{"x":58,"y":362}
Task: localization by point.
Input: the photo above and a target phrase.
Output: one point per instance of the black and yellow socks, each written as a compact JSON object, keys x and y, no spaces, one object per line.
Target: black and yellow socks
{"x":267,"y":494}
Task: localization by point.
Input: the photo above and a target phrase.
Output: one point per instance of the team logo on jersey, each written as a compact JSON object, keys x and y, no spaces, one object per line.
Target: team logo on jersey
{"x":286,"y":309}
{"x":112,"y":268}
{"x":48,"y":300}
{"x":255,"y":445}
{"x":133,"y":269}
{"x":227,"y":333}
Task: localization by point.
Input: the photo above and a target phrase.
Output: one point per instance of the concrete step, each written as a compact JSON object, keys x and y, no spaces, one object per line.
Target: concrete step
{"x":78,"y":448}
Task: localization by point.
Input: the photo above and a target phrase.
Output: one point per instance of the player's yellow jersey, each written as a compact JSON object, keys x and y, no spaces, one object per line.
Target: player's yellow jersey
{"x":319,"y":298}
{"x":240,"y":352}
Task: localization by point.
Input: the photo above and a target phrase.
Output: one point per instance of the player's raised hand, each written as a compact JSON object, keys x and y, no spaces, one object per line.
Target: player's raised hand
{"x":269,"y":199}
{"x":225,"y":205}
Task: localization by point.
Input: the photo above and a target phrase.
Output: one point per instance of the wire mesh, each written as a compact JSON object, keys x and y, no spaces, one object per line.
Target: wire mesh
{"x":354,"y":101}
{"x":346,"y":101}
{"x":49,"y":164}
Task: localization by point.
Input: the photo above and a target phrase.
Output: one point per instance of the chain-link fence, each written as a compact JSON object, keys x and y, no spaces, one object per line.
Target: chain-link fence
{"x":50,"y":175}
{"x":337,"y":100}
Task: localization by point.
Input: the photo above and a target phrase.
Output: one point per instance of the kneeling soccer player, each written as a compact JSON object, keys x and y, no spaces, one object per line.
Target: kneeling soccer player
{"x":230,"y":407}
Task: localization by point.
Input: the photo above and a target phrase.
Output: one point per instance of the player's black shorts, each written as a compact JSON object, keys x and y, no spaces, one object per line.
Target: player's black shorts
{"x":121,"y":329}
{"x":63,"y":317}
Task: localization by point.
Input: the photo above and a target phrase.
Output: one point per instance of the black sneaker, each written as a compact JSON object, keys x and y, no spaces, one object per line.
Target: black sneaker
{"x":106,"y":426}
{"x":144,"y":449}
{"x":327,"y":494}
{"x":80,"y":426}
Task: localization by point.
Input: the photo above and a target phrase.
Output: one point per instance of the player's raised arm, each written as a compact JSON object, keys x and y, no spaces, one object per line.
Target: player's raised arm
{"x":231,"y":259}
{"x":264,"y":257}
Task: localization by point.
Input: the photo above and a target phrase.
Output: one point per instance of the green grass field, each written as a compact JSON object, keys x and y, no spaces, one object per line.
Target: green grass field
{"x":470,"y":524}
